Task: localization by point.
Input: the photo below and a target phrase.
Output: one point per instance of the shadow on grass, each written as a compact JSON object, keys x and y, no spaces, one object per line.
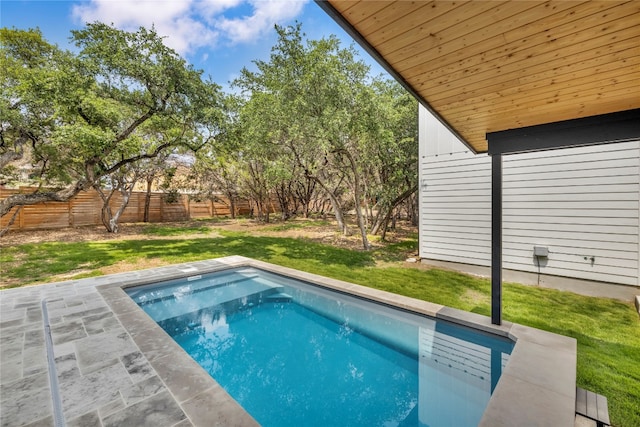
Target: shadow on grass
{"x":258,"y":247}
{"x":158,"y":230}
{"x":396,"y":251}
{"x":33,"y":263}
{"x":38,"y":262}
{"x":296,"y":225}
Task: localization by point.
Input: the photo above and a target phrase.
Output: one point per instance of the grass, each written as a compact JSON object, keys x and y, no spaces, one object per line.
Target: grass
{"x":159,"y":230}
{"x":607,"y":331}
{"x":294,"y":225}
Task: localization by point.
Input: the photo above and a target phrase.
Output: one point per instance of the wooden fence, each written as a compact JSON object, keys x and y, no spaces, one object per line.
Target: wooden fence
{"x":85,"y":208}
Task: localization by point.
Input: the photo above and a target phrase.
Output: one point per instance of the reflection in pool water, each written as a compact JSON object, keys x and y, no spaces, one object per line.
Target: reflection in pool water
{"x":295,"y":354}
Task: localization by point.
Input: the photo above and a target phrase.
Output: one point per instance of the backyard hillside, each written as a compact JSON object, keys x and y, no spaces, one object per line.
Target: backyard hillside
{"x":607,"y":330}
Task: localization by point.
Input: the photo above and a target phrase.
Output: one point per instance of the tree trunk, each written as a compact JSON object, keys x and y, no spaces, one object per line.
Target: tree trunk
{"x":283,"y":212}
{"x":109,"y":219}
{"x":393,"y":216}
{"x":394,"y":204}
{"x":232,"y":207}
{"x":357,"y":196}
{"x":147,"y":200}
{"x":126,"y":195}
{"x":339,"y":215}
{"x":415,"y":214}
{"x":283,"y":200}
{"x":11,"y":221}
{"x":385,"y":222}
{"x":361,"y":225}
{"x":335,"y":204}
{"x":306,"y":211}
{"x":105,"y":213}
{"x":377,"y":220}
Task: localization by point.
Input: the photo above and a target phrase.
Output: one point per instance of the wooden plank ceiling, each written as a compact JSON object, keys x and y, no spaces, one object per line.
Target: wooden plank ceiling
{"x":486,"y":66}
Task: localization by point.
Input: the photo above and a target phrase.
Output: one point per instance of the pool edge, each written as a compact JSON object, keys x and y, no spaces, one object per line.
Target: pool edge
{"x":536,"y":388}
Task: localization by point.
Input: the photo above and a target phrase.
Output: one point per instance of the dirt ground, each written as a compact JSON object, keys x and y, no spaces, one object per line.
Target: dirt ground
{"x":314,"y":230}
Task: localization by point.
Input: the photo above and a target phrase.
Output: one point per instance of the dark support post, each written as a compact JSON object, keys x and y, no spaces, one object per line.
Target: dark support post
{"x":603,"y":129}
{"x":496,"y":239}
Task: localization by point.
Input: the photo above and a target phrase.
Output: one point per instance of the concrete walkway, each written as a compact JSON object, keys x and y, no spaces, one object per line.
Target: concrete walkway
{"x":100,"y":371}
{"x":104,"y":379}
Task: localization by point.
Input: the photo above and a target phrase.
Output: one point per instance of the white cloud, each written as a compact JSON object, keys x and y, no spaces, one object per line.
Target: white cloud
{"x":190,"y":24}
{"x":266,"y":13}
{"x":172,"y":20}
{"x":210,"y":8}
{"x":128,"y":13}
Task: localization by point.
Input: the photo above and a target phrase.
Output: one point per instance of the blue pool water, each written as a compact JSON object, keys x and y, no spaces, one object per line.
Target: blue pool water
{"x":294,"y":354}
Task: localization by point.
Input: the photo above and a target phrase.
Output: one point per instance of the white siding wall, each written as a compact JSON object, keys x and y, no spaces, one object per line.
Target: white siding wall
{"x":581,"y":203}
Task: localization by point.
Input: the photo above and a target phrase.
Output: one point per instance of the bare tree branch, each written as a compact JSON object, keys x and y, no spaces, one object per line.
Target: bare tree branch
{"x":11,"y":221}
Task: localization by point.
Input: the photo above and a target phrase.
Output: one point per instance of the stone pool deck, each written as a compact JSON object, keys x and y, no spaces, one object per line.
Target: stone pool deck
{"x":114,"y":366}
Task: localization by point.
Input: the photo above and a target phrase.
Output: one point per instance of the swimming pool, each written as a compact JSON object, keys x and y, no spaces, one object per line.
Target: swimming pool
{"x":293,"y":353}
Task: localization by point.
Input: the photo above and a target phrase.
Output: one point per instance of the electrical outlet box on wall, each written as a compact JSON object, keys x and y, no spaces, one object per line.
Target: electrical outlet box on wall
{"x":541,"y":251}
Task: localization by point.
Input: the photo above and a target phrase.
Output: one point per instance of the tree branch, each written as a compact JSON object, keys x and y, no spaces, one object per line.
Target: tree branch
{"x":134,"y":159}
{"x":11,"y":221}
{"x":48,"y":196}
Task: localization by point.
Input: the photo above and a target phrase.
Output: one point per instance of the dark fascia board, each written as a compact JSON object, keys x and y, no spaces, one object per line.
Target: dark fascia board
{"x":603,"y":129}
{"x":336,"y":16}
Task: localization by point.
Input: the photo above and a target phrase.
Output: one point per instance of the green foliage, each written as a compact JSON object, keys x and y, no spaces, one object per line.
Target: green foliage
{"x":392,"y":158}
{"x":31,"y":88}
{"x":77,"y":117}
{"x":309,"y":119}
{"x":171,"y":196}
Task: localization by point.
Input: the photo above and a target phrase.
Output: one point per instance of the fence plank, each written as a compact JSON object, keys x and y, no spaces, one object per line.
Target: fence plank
{"x":85,"y":209}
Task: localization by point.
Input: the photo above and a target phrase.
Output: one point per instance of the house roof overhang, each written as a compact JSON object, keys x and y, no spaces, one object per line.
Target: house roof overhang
{"x":509,"y":76}
{"x":485,"y":67}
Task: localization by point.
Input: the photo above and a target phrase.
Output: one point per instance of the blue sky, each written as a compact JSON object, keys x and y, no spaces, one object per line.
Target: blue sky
{"x":217,"y":36}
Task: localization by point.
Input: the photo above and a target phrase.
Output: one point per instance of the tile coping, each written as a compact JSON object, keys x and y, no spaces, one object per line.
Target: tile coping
{"x":540,"y":375}
{"x":537,"y":387}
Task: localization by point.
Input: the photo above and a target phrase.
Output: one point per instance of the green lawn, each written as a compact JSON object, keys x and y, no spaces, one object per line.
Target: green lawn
{"x":608,"y":331}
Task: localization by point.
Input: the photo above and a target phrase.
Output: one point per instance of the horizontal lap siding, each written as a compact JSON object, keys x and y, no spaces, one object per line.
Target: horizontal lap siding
{"x":590,"y":228}
{"x":581,"y":203}
{"x":456,"y":225}
{"x":455,"y":198}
